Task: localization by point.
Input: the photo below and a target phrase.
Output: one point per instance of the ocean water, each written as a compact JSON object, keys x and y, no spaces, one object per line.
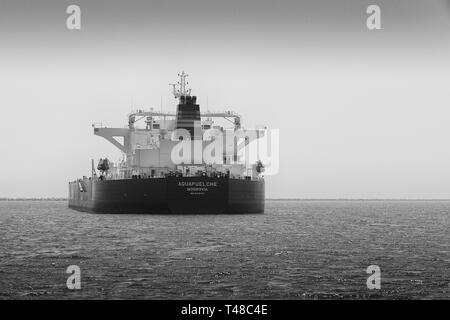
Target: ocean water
{"x":296,"y":250}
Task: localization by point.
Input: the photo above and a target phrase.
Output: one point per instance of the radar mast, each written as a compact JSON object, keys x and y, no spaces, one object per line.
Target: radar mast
{"x":180,"y":89}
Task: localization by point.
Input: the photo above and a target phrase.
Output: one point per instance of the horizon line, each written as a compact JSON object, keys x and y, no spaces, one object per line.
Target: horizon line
{"x":270,"y":199}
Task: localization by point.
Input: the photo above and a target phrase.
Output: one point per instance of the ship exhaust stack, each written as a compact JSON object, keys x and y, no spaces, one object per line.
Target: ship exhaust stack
{"x":188,"y":111}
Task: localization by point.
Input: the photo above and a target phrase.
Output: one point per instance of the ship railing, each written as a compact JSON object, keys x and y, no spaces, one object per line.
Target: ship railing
{"x":220,"y":113}
{"x":150,"y":112}
{"x":145,"y":177}
{"x":183,"y":175}
{"x":97,"y":125}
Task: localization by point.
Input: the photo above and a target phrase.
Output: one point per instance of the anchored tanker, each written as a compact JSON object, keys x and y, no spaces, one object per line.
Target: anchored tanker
{"x":181,"y":163}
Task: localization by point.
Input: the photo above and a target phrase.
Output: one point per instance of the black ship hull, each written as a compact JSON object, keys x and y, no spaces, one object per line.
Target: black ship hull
{"x":170,"y":195}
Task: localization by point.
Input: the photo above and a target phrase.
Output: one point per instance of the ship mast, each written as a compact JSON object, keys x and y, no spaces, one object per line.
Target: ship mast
{"x":179,"y":89}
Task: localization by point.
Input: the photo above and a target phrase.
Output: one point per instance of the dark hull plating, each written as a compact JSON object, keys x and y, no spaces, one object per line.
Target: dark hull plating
{"x":185,"y":195}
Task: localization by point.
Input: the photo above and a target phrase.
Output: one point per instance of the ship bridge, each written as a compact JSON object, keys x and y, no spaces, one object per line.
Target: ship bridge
{"x":150,"y":145}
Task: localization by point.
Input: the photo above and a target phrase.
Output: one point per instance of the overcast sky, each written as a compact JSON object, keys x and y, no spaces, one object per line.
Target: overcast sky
{"x":362,"y":114}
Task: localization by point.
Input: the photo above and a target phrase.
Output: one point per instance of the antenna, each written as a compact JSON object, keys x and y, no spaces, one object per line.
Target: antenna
{"x":179,"y":89}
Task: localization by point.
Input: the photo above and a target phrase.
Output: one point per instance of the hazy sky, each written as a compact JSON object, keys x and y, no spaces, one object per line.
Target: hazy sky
{"x":362,"y":114}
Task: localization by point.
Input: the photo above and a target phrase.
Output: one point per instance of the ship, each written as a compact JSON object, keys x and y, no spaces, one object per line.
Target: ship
{"x":184,"y":162}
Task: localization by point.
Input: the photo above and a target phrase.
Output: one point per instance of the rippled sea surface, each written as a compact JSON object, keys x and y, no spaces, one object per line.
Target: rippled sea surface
{"x":296,"y":250}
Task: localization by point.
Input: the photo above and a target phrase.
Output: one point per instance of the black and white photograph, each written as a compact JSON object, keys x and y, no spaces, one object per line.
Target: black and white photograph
{"x":225,"y":155}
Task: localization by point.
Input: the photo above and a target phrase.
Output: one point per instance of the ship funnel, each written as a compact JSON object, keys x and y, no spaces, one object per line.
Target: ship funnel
{"x":188,"y":111}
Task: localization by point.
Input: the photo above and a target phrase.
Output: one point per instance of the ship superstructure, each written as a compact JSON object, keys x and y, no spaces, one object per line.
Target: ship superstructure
{"x":187,"y":154}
